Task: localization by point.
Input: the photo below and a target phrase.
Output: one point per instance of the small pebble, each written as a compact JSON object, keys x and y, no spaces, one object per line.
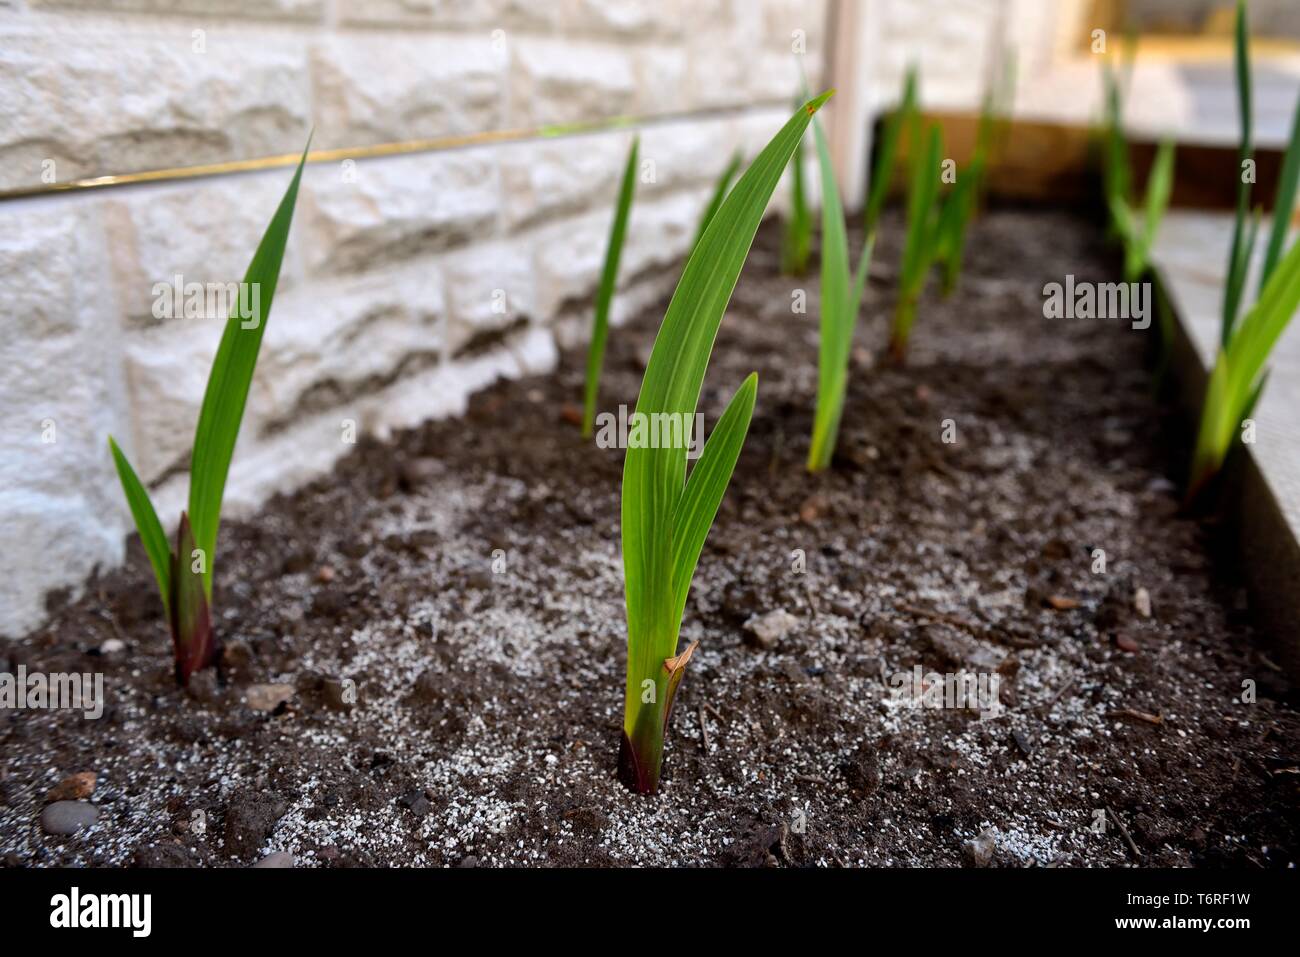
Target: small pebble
{"x":278,"y":859}
{"x":1142,"y":602}
{"x":112,"y":646}
{"x":766,"y":631}
{"x":978,"y":852}
{"x":267,"y":697}
{"x":68,"y":817}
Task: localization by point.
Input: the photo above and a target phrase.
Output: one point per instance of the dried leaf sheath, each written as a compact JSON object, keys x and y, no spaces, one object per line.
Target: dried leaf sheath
{"x":191,"y":619}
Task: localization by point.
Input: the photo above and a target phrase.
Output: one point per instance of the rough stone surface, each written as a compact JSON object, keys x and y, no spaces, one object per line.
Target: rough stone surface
{"x":554,"y":81}
{"x":766,"y":631}
{"x":148,"y":100}
{"x":60,"y":395}
{"x":205,"y":232}
{"x":304,"y":10}
{"x":277,"y":860}
{"x":386,"y":89}
{"x":397,"y":209}
{"x":267,"y":697}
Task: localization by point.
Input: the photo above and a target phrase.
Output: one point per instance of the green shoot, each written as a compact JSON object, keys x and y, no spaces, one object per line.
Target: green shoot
{"x":1239,"y":374}
{"x":1139,"y":237}
{"x":890,"y":135}
{"x":185,"y":576}
{"x":719,"y":194}
{"x":666,"y":516}
{"x":1242,"y":243}
{"x":1117,"y":176}
{"x":796,"y":239}
{"x":920,"y":247}
{"x":960,"y":204}
{"x":605,"y":293}
{"x":839,"y":311}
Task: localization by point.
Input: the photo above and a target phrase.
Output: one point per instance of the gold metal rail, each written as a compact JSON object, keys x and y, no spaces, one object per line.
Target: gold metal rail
{"x":427,"y":145}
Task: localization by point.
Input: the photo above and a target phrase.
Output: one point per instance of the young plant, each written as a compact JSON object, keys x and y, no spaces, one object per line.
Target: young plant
{"x":1116,"y":174}
{"x":719,"y":194}
{"x":921,"y":245}
{"x":666,"y":515}
{"x":796,"y":239}
{"x":890,"y":134}
{"x":1138,"y":237}
{"x":605,"y":292}
{"x":839,"y":310}
{"x":184,"y":576}
{"x":1239,"y":374}
{"x":955,"y":213}
{"x":959,"y":205}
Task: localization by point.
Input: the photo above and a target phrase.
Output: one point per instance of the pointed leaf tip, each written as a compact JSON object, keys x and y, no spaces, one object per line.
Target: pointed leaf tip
{"x":813,"y":105}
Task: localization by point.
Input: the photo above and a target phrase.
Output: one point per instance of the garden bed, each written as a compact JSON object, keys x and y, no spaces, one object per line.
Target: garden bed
{"x":490,"y":701}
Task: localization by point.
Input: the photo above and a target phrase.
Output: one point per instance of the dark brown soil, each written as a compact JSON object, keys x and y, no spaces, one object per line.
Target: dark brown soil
{"x":487,"y":724}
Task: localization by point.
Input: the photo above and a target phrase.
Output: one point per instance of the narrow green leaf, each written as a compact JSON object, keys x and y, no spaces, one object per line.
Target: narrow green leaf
{"x":796,"y":240}
{"x":919,"y":247}
{"x":708,"y":482}
{"x":1238,"y":259}
{"x":837,"y":321}
{"x":719,"y":194}
{"x":605,"y":293}
{"x":229,"y":380}
{"x":1239,"y":371}
{"x":151,"y":531}
{"x":887,"y":154}
{"x":1160,"y":185}
{"x":1284,"y":204}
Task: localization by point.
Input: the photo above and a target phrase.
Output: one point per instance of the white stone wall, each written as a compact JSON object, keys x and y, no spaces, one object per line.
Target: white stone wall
{"x":386,"y":293}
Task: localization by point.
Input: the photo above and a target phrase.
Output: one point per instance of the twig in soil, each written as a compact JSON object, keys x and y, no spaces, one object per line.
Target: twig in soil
{"x":811,"y":779}
{"x":1136,"y":716}
{"x":714,"y":711}
{"x":1047,"y":709}
{"x":704,"y":732}
{"x":1124,"y":832}
{"x":939,"y":616}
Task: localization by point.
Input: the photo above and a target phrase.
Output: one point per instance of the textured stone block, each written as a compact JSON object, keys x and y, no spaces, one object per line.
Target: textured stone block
{"x":546,"y":179}
{"x":391,"y":210}
{"x":206,"y":231}
{"x":105,"y":104}
{"x":554,"y":81}
{"x":60,"y":396}
{"x":301,"y":10}
{"x":489,"y":287}
{"x":389,"y":89}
